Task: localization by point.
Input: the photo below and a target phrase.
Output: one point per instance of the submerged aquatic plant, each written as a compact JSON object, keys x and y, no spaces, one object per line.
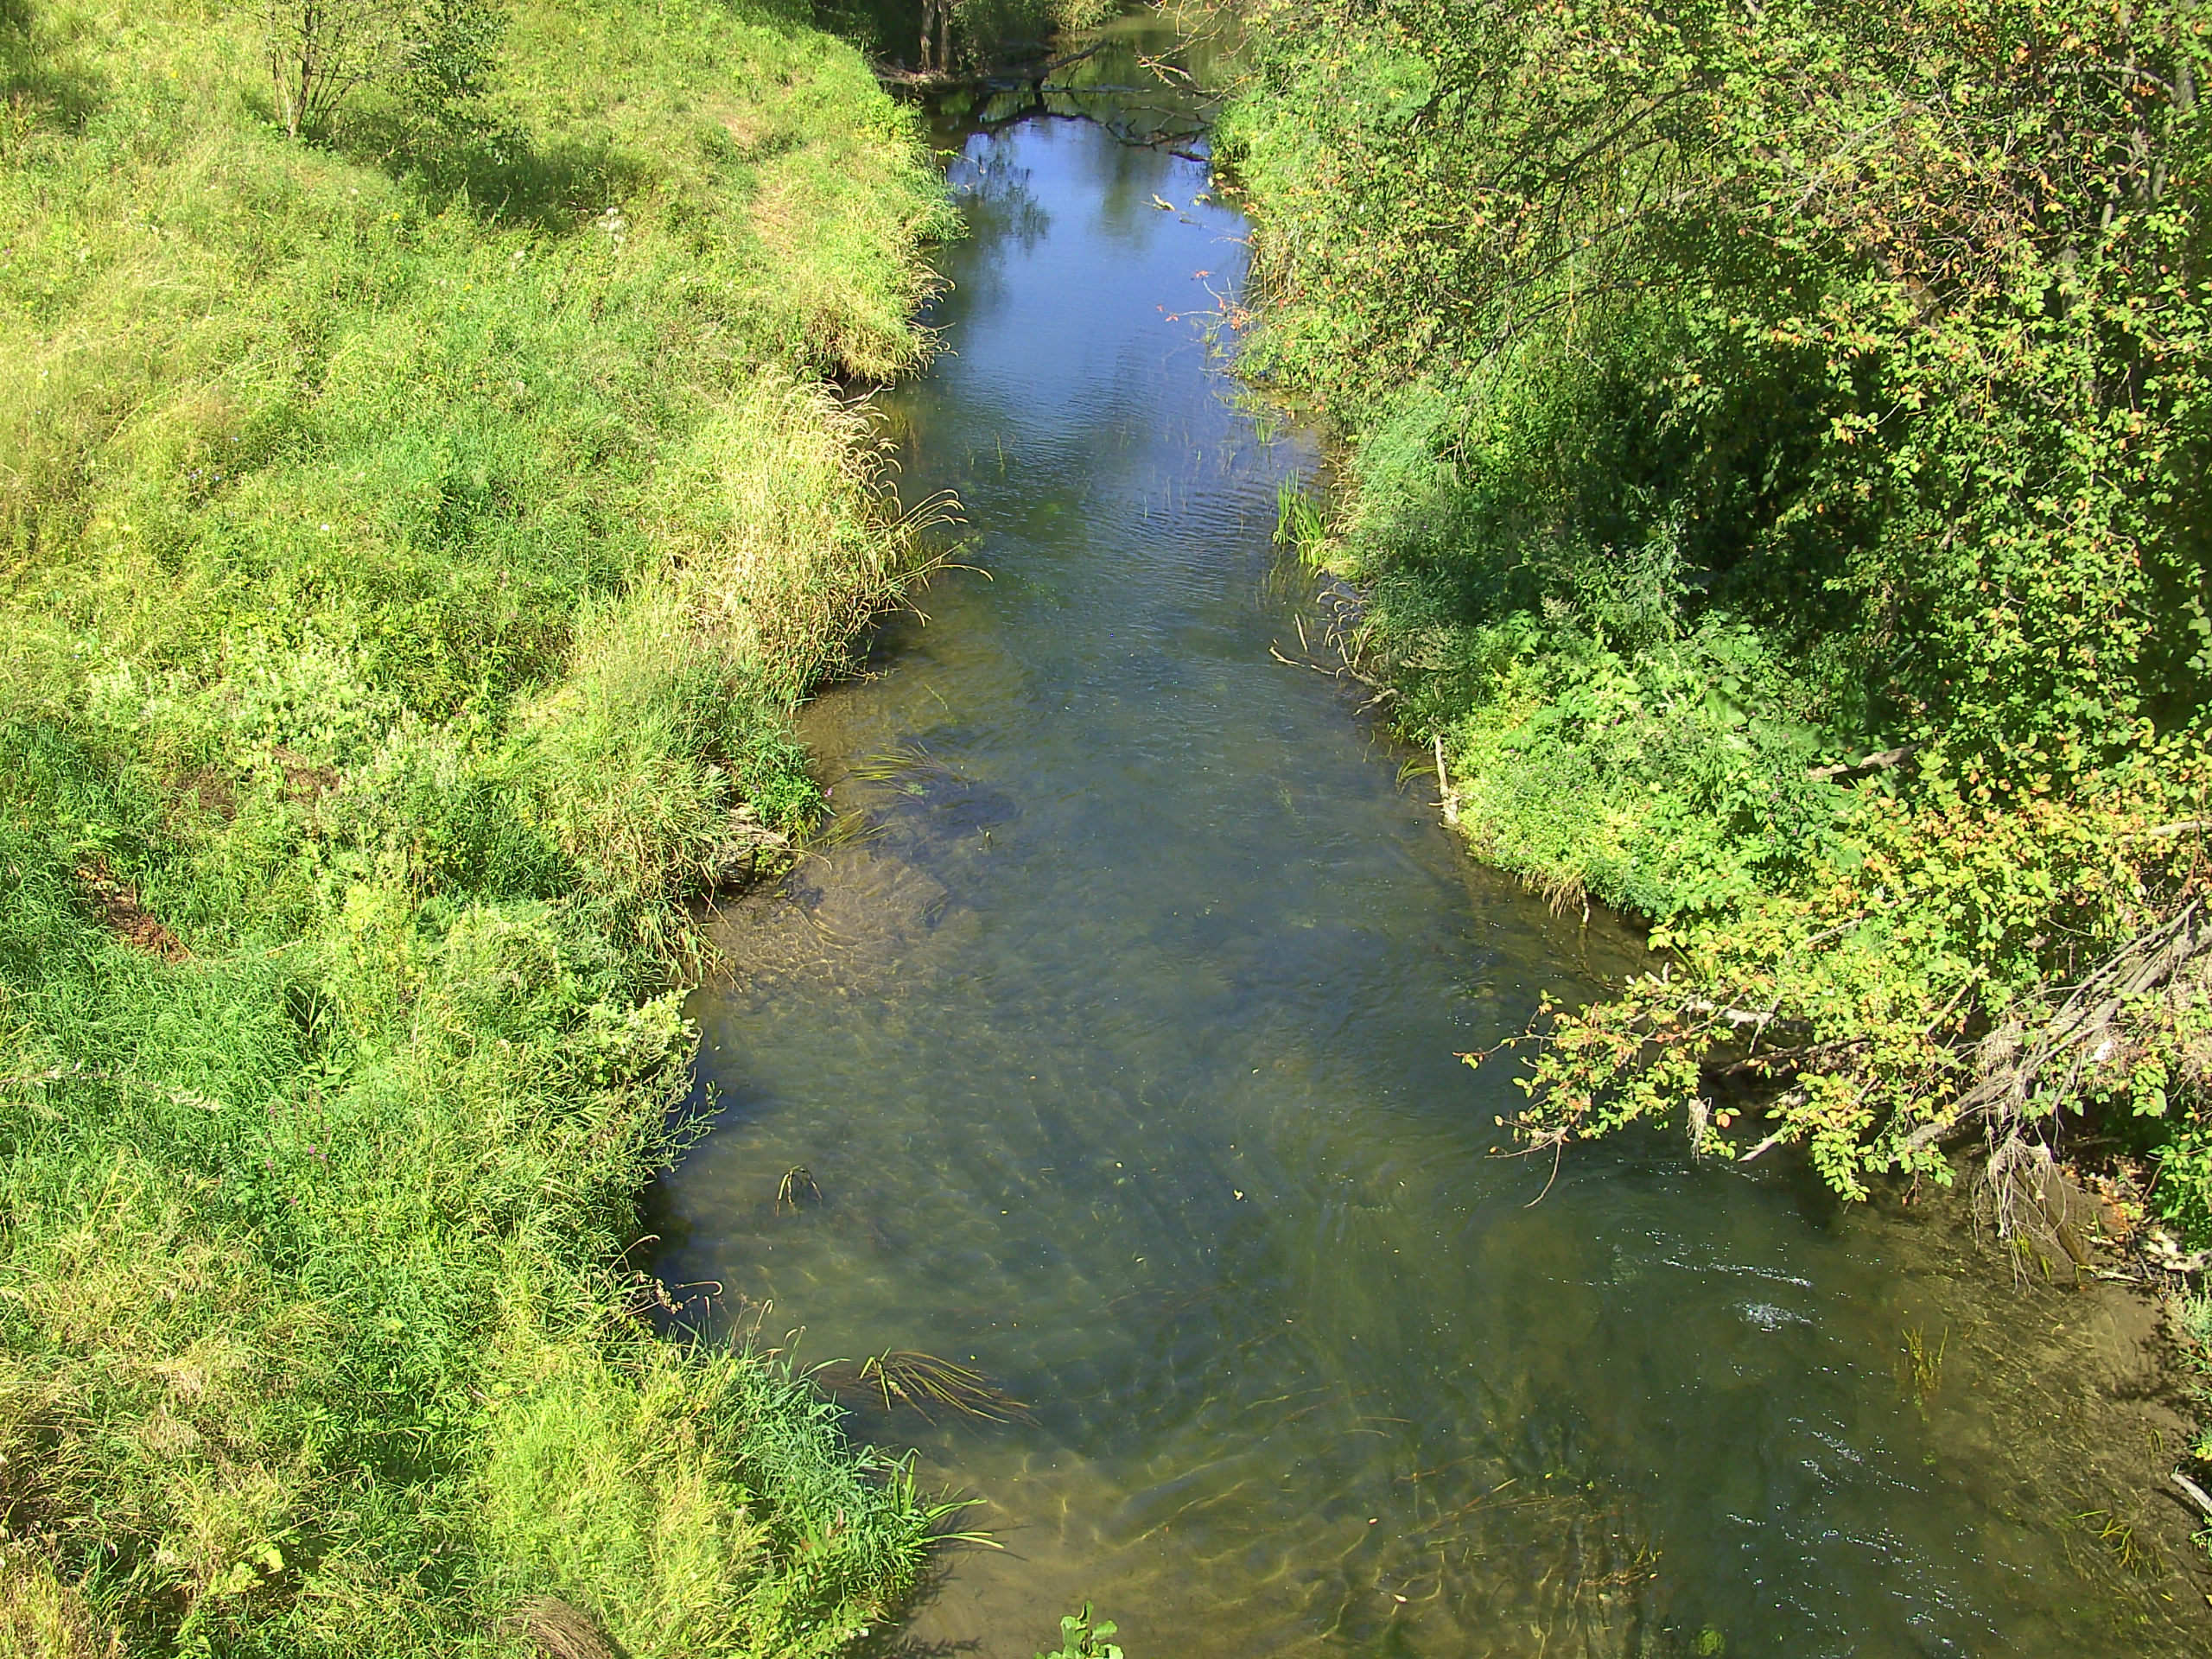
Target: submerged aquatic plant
{"x":887,"y":765}
{"x":1920,"y":1368}
{"x":921,"y":1381}
{"x":851,"y":829}
{"x":798,"y":1181}
{"x":2135,"y":1557}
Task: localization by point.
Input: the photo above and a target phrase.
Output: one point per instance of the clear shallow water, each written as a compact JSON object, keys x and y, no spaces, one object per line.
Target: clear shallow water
{"x":1121,"y":1058}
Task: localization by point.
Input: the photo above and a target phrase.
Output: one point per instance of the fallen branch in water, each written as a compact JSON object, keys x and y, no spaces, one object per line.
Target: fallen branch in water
{"x":1004,"y":77}
{"x":1345,"y":670}
{"x":1881,"y":762}
{"x":2043,"y":1059}
{"x":1341,"y":671}
{"x":1742,"y":1019}
{"x":1767,"y":1145}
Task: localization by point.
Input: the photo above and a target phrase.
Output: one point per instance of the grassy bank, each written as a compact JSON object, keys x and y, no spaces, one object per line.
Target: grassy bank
{"x":1776,"y":449}
{"x":415,"y":535}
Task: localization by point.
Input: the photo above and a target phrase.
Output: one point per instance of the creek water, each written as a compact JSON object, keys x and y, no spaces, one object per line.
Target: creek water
{"x":1119,"y":1054}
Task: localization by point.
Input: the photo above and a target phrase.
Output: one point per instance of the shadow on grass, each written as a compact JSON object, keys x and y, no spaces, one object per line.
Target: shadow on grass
{"x":501,"y":172}
{"x":38,"y":85}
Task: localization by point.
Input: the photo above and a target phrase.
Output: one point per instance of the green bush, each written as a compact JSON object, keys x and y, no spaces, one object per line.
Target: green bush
{"x":1779,"y":444}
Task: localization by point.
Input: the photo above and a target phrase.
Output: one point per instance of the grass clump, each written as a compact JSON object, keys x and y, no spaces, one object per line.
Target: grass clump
{"x":414,"y":541}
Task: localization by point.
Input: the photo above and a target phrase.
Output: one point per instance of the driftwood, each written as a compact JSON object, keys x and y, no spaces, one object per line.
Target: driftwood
{"x":2039,"y":1059}
{"x":1881,"y":762}
{"x":2044,"y":1062}
{"x":1006,"y":77}
{"x":1342,"y":671}
{"x":2195,"y":1493}
{"x":2045,"y":1057}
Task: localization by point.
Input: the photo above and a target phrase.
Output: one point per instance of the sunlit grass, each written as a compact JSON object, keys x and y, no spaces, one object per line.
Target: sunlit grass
{"x":412,"y":554}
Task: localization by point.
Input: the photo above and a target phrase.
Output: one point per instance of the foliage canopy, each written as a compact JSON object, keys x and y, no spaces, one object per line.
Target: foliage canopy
{"x":1780,"y":444}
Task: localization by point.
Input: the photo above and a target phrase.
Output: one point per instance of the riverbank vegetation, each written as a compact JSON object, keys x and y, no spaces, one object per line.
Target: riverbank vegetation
{"x":415,"y":533}
{"x":1777,"y":438}
{"x":957,"y":38}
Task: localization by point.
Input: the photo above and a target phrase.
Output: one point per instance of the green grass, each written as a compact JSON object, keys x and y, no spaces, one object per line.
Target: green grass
{"x":412,"y":548}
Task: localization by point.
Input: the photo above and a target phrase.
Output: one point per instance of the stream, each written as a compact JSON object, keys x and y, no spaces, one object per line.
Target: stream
{"x":1117,"y":1046}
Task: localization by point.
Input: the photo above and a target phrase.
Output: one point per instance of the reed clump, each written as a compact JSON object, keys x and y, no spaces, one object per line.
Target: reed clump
{"x":1919,"y":1364}
{"x":415,"y":540}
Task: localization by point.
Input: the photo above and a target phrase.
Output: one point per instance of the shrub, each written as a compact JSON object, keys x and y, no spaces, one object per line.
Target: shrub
{"x":1780,"y":452}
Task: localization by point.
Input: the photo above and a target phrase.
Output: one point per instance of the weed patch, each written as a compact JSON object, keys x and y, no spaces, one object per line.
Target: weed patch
{"x":412,"y":543}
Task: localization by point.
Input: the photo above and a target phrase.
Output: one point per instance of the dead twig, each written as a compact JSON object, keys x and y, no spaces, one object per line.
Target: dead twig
{"x":1882,"y":762}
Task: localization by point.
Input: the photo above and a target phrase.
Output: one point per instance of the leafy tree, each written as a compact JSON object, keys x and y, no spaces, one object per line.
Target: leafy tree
{"x":320,"y":50}
{"x":1880,"y":331}
{"x":439,"y":53}
{"x":451,"y":54}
